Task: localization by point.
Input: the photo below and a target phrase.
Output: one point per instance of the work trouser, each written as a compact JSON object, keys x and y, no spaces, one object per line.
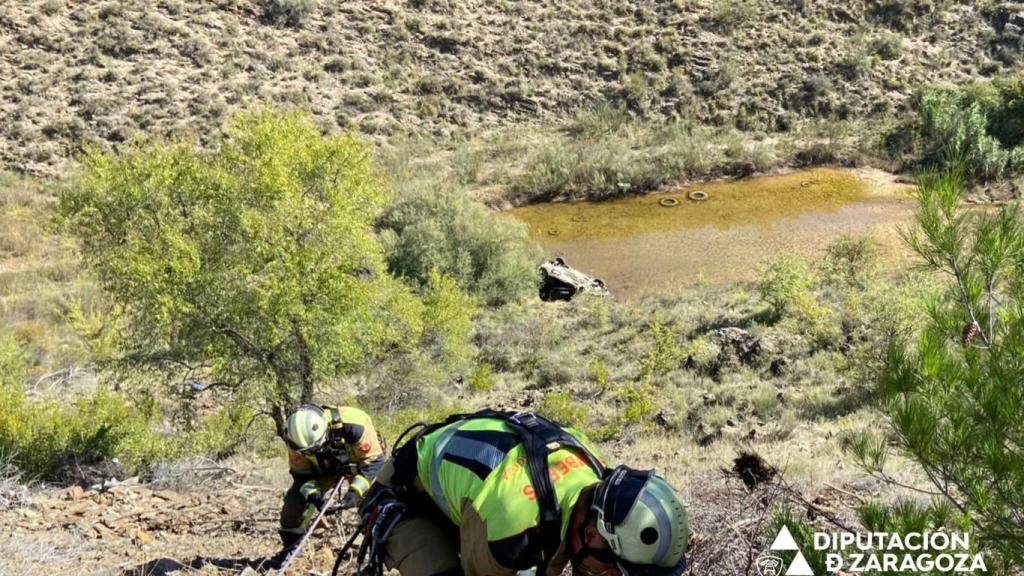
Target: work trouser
{"x":425,"y":542}
{"x":296,"y":514}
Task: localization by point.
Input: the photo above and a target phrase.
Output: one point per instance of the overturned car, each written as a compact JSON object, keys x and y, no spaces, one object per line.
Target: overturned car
{"x":559,"y":281}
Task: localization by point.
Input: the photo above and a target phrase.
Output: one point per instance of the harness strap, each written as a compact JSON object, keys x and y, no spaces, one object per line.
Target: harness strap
{"x":540,"y":437}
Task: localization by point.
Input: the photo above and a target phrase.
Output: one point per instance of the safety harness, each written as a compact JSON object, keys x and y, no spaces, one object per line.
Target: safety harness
{"x":540,"y":437}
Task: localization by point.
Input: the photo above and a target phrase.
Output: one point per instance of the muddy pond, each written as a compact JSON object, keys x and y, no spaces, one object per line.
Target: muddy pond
{"x":656,"y":242}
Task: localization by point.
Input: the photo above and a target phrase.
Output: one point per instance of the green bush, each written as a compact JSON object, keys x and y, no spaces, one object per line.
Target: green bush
{"x":904,"y":15}
{"x":481,"y":379}
{"x":485,"y":254}
{"x":447,"y":319}
{"x":731,"y":15}
{"x":214,"y":262}
{"x":639,"y":400}
{"x":288,"y":12}
{"x":58,"y":441}
{"x":561,"y":407}
{"x":977,"y":127}
{"x":81,"y":440}
{"x":888,"y":46}
{"x":785,"y":283}
{"x":664,"y":353}
{"x":599,"y":374}
{"x":850,"y":261}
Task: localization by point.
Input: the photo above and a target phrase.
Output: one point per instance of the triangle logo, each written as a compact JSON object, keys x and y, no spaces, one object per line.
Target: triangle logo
{"x":772,"y":565}
{"x":799,"y":567}
{"x":784,"y":541}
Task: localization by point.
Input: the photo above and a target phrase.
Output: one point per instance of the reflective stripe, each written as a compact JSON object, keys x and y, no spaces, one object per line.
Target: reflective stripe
{"x":476,"y":451}
{"x":664,"y":525}
{"x":435,"y":468}
{"x":310,"y":487}
{"x":359,"y":484}
{"x":308,"y":516}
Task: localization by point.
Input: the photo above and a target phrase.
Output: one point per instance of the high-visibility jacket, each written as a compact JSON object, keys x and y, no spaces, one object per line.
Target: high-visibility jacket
{"x":353,"y":450}
{"x":475,"y":471}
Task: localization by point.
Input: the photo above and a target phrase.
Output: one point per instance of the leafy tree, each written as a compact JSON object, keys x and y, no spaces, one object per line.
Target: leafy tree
{"x":253,"y":264}
{"x":954,"y":397}
{"x":448,"y":233}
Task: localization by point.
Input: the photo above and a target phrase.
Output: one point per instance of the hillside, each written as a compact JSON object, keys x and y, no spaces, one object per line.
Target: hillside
{"x":137,"y":435}
{"x":81,"y":73}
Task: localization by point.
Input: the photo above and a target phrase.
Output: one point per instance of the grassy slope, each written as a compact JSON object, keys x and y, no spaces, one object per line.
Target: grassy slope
{"x":97,"y":72}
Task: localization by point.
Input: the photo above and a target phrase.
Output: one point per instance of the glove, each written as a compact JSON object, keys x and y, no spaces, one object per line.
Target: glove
{"x":310,"y":490}
{"x":350,"y":500}
{"x":316,"y":500}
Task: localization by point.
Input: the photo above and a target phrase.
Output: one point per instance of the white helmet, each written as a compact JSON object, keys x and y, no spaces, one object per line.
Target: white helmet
{"x":306,"y":430}
{"x":644,"y":522}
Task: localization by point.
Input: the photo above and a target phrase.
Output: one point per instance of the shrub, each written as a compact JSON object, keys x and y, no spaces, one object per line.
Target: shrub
{"x":731,"y":15}
{"x":664,"y":353}
{"x":561,"y":407}
{"x":639,"y":400}
{"x":288,"y":12}
{"x":850,"y":261}
{"x":481,"y":379}
{"x":485,"y":254}
{"x":888,"y":46}
{"x":214,"y":262}
{"x":904,"y":15}
{"x":857,"y":61}
{"x":977,"y":127}
{"x":447,"y":319}
{"x":784,"y":283}
{"x":599,"y":374}
{"x":815,"y":94}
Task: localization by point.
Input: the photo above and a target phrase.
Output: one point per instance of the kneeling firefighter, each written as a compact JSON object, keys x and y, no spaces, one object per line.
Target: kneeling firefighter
{"x":325,"y":444}
{"x":493,"y":493}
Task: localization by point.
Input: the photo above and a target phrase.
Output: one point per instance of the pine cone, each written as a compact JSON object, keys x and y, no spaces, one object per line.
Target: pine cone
{"x":971,"y":331}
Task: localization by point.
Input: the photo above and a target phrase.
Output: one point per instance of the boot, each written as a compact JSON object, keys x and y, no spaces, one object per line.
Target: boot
{"x":289,"y":540}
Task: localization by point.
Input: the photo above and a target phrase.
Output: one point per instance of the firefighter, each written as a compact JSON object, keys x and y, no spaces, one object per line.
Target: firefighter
{"x":494,"y":493}
{"x":325,"y":444}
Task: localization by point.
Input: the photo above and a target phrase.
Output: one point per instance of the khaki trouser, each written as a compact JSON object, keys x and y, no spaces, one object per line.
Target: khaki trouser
{"x":424,"y":542}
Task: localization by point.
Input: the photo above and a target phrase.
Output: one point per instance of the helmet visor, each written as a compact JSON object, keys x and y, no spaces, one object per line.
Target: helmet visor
{"x":616,"y":498}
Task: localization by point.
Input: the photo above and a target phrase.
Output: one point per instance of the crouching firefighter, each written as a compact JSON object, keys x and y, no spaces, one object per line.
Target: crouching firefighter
{"x":325,"y":445}
{"x":493,"y":493}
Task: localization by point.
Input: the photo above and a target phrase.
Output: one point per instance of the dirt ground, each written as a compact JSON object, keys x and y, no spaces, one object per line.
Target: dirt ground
{"x":226,"y":524}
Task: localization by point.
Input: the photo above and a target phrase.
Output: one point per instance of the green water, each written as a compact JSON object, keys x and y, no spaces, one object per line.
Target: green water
{"x":637,"y":245}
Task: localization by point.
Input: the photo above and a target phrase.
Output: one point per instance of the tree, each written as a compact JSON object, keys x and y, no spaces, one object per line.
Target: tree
{"x":955,"y":398}
{"x":254,"y":264}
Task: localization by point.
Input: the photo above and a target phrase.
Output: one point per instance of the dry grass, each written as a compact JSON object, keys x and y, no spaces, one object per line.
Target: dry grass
{"x":40,"y":279}
{"x":97,"y":73}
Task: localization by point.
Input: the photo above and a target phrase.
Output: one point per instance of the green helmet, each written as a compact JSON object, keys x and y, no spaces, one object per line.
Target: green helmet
{"x":306,"y":429}
{"x":644,"y":522}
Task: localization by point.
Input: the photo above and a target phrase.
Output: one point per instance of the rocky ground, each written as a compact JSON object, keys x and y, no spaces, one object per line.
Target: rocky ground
{"x":215,"y":521}
{"x":98,"y":72}
{"x":228,"y":526}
